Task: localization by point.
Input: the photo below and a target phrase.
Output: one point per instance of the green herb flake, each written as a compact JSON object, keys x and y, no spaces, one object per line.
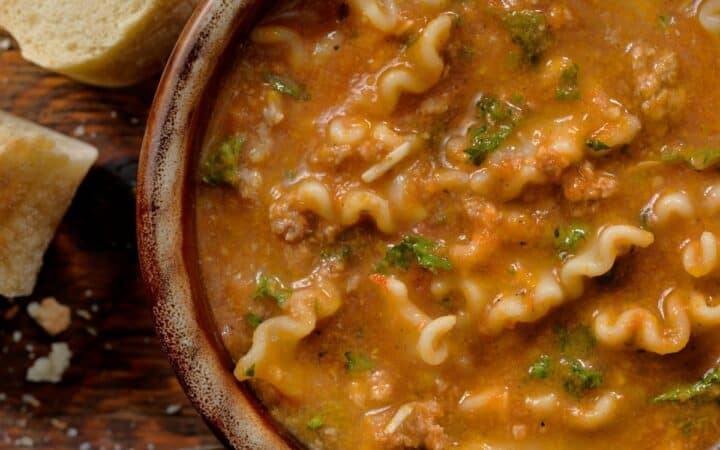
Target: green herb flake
{"x":568,"y":88}
{"x":419,"y":249}
{"x":250,"y":372}
{"x":708,"y":387}
{"x":575,"y":342}
{"x":485,"y":140}
{"x":499,"y":121}
{"x":595,"y":145}
{"x":704,"y":159}
{"x":665,"y":21}
{"x":493,"y":109}
{"x":287,"y":86}
{"x":567,"y":239}
{"x":315,"y":423}
{"x":691,"y":424}
{"x":358,"y":362}
{"x":272,"y":287}
{"x":698,"y":159}
{"x":582,"y":378}
{"x":529,"y":30}
{"x":542,"y":368}
{"x":220,"y":167}
{"x":253,"y":319}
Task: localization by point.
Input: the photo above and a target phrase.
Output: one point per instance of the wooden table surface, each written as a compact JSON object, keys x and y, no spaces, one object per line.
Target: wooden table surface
{"x":120,"y":392}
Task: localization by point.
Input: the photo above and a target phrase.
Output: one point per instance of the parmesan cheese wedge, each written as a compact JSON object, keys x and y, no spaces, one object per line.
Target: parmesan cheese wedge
{"x":40,"y":171}
{"x":108,"y":43}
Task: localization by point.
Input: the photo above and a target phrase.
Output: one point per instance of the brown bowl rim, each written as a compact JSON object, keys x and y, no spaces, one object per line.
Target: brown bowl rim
{"x":164,"y":214}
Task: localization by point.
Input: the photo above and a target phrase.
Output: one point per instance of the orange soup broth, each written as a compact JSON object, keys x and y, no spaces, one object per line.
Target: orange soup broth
{"x":236,"y":240}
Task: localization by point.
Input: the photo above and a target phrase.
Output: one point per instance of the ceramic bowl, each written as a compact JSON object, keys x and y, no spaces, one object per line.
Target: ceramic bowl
{"x":165,"y":227}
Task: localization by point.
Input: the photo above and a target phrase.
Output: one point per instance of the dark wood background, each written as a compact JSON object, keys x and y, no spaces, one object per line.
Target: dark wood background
{"x":119,"y":392}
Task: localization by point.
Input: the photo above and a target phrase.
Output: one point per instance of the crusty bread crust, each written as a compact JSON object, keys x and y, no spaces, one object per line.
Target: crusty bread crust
{"x":110,"y":43}
{"x":40,"y":172}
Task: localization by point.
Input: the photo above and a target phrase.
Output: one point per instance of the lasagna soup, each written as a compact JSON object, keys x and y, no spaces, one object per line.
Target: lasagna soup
{"x":472,"y":224}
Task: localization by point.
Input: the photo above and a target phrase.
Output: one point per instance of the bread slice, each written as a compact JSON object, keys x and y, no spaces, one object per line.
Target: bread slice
{"x":40,"y":171}
{"x":108,"y":43}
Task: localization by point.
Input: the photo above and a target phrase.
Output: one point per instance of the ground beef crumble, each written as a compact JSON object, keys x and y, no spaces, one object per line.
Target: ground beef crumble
{"x":585,"y":183}
{"x":656,"y":82}
{"x":419,"y":430}
{"x":290,"y":224}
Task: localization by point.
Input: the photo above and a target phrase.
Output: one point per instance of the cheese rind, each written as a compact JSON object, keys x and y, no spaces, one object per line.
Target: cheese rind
{"x":40,"y":171}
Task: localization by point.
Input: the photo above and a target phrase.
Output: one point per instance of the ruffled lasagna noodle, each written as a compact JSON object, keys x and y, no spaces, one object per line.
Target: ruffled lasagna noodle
{"x":434,"y":224}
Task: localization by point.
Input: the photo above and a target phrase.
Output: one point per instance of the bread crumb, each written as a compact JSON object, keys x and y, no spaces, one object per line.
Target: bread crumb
{"x":173,"y":409}
{"x":50,"y":369}
{"x":59,"y":424}
{"x":53,"y":316}
{"x":84,"y":313}
{"x":24,"y":442}
{"x":79,"y":131}
{"x":30,"y":399}
{"x":5,"y":44}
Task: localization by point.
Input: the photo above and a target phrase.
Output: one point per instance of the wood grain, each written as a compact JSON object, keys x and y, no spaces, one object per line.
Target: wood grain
{"x":120,"y":392}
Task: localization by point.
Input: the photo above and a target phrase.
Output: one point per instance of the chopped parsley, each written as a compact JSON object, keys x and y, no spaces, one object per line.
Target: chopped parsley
{"x":315,"y":423}
{"x":421,"y":250}
{"x":665,"y":21}
{"x":287,"y":86}
{"x":253,"y":319}
{"x":485,"y":140}
{"x":220,"y":167}
{"x":594,"y":144}
{"x":542,"y":368}
{"x":250,"y":371}
{"x":357,"y":362}
{"x":529,"y":30}
{"x":272,"y":287}
{"x":699,"y":159}
{"x":582,"y":378}
{"x":577,"y":341}
{"x":707,"y":387}
{"x":568,"y":88}
{"x":568,"y":239}
{"x":499,"y":120}
{"x":493,"y":109}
